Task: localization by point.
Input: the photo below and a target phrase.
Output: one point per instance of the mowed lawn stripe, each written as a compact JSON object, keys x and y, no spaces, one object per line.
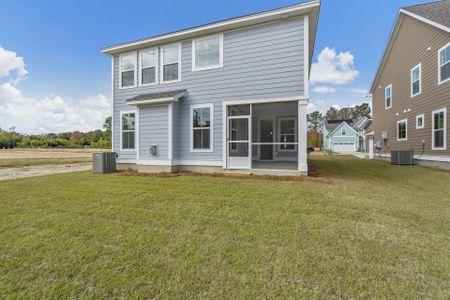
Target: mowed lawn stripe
{"x":375,"y":231}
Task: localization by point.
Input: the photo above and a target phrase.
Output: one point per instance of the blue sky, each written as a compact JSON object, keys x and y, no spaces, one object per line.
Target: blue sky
{"x":67,"y":80}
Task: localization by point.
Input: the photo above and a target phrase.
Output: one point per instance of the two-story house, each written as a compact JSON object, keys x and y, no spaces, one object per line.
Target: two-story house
{"x":229,"y":95}
{"x":411,"y":89}
{"x":345,"y":136}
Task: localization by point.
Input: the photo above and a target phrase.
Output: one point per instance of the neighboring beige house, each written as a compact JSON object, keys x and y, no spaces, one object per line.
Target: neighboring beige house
{"x":411,"y":89}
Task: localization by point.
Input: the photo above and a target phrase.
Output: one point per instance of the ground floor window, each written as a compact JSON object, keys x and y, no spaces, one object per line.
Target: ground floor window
{"x":439,"y":129}
{"x":201,"y":123}
{"x":402,"y":130}
{"x":128,"y":131}
{"x":287,"y":131}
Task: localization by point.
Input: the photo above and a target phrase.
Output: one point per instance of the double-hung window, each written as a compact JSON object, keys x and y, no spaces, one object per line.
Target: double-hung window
{"x":416,"y":80}
{"x":201,"y":125}
{"x":343,"y":131}
{"x":388,"y":96}
{"x":439,"y":124}
{"x":148,"y":66}
{"x":444,"y":64}
{"x":170,"y":62}
{"x":127,"y":66}
{"x":207,"y":52}
{"x":287,"y":131}
{"x":128,"y":131}
{"x":402,"y":130}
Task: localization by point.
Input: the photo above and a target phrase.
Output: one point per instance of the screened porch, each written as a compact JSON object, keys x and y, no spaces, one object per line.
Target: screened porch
{"x":263,"y":136}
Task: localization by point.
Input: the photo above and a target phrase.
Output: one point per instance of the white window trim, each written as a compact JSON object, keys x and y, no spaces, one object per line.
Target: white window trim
{"x":439,"y":64}
{"x":136,"y":131}
{"x":445,"y":129}
{"x":385,"y":98}
{"x":161,"y":67}
{"x":279,"y":134}
{"x":423,"y":121}
{"x":220,"y":65}
{"x":156,"y":67}
{"x":211,"y":127}
{"x":412,"y":82}
{"x":135,"y":70}
{"x":406,"y":130}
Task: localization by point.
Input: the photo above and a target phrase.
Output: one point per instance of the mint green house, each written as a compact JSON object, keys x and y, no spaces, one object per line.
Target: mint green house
{"x":345,"y":136}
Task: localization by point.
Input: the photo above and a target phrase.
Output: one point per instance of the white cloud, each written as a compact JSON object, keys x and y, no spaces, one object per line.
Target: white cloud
{"x":50,"y":114}
{"x":357,"y":91}
{"x":324,"y":89}
{"x":332,"y":68}
{"x":10,"y":63}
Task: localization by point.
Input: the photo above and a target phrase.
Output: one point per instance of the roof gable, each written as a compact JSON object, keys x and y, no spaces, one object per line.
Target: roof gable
{"x":408,"y":11}
{"x":342,"y":125}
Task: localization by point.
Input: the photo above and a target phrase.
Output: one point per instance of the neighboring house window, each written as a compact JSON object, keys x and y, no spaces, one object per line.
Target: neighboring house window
{"x":127,"y":66}
{"x":148,"y":66}
{"x":287,"y":130}
{"x":201,"y":127}
{"x":420,"y":119}
{"x":207,"y":52}
{"x":444,"y":64}
{"x":388,"y":96}
{"x":402,"y":130}
{"x":439,"y":129}
{"x":416,"y":80}
{"x":128,"y":131}
{"x":170,"y":63}
{"x":343,"y":131}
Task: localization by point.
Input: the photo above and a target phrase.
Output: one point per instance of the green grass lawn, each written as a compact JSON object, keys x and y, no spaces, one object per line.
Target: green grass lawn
{"x":375,"y":231}
{"x":26,"y":162}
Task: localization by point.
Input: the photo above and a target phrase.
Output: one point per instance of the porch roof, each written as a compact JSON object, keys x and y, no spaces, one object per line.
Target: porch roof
{"x":157,"y":98}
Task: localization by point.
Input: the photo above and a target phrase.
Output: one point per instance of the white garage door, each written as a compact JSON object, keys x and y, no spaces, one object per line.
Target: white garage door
{"x":343,"y":147}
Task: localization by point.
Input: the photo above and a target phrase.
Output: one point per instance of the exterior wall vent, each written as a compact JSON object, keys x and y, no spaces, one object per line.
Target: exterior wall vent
{"x":402,"y":157}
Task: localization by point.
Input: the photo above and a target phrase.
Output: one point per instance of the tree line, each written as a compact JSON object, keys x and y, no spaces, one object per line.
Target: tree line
{"x":316,"y":120}
{"x":94,"y":139}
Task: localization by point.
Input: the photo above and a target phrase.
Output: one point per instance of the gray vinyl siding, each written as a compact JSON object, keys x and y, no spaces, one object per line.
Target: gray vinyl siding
{"x":153,"y":129}
{"x":260,"y":62}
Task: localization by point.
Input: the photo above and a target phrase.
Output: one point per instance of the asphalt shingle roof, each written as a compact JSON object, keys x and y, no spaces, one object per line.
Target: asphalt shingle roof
{"x":154,"y":96}
{"x":438,"y":12}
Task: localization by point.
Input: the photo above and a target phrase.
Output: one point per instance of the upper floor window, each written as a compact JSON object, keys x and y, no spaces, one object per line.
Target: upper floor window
{"x":439,"y":123}
{"x":388,"y":96}
{"x":170,"y":62}
{"x":148,"y":65}
{"x":444,"y":64}
{"x":207,"y":52}
{"x":127,"y":131}
{"x":420,"y":124}
{"x":343,"y":131}
{"x":402,"y":130}
{"x":201,"y":128}
{"x":416,"y":80}
{"x":127,"y":69}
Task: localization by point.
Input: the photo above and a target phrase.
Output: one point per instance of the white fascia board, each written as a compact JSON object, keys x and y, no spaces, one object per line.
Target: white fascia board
{"x":258,"y":18}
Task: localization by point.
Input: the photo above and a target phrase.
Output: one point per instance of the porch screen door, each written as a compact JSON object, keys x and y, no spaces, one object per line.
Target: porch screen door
{"x":238,"y":140}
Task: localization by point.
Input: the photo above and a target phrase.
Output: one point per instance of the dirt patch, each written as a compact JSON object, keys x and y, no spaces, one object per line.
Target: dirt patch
{"x":32,"y":171}
{"x":315,"y":174}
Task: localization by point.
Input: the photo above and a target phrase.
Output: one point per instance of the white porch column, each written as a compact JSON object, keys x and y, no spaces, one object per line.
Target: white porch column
{"x":170,"y":133}
{"x":302,"y":136}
